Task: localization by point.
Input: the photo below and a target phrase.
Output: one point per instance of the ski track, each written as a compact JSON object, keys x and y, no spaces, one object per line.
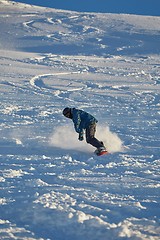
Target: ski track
{"x":48,"y":192}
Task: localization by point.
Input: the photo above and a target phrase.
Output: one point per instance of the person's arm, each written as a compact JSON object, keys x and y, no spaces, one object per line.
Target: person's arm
{"x":77,"y":125}
{"x":77,"y":122}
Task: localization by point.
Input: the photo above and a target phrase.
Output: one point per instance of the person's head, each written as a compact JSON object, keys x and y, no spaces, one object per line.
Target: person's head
{"x":67,"y":112}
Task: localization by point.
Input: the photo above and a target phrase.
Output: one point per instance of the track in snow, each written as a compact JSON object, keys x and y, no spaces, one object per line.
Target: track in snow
{"x":69,"y":193}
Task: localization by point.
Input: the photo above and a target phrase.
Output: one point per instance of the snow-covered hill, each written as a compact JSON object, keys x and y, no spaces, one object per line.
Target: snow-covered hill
{"x":53,"y":186}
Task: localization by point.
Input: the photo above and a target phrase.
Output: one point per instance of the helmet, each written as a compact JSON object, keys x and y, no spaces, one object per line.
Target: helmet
{"x":67,"y":112}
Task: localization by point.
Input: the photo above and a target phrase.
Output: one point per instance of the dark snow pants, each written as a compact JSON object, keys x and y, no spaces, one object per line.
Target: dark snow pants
{"x":90,"y":136}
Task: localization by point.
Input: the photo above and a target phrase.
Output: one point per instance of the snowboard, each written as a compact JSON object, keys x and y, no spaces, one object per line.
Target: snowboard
{"x":101,"y":153}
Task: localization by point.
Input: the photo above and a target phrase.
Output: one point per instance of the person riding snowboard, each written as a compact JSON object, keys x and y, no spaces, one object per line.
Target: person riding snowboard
{"x":84,"y":121}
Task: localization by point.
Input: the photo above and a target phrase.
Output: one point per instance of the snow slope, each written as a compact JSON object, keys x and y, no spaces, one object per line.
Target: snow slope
{"x":52,"y":186}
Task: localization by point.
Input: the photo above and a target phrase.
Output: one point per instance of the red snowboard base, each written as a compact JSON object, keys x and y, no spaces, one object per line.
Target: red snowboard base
{"x":101,"y":153}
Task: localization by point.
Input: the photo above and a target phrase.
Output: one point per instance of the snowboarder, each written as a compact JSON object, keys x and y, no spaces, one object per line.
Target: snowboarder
{"x":84,"y":121}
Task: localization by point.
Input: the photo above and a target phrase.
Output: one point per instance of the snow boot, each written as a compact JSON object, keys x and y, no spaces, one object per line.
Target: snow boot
{"x":100,"y":151}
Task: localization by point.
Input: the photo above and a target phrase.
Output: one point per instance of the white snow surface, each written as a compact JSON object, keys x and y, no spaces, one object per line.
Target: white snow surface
{"x":53,"y":186}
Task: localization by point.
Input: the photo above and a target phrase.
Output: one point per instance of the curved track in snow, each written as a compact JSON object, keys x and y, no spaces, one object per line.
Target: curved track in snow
{"x":107,"y":65}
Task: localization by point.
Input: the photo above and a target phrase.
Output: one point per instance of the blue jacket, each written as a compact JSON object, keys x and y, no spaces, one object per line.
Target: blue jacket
{"x":81,"y":119}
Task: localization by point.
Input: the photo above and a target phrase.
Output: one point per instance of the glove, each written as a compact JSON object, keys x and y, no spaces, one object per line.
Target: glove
{"x":80,"y":138}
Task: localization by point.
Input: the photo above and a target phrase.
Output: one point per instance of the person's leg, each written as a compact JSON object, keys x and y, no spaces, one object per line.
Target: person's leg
{"x":90,"y":136}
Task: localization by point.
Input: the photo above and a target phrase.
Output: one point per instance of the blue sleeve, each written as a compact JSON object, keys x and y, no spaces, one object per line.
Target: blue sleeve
{"x":77,"y":122}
